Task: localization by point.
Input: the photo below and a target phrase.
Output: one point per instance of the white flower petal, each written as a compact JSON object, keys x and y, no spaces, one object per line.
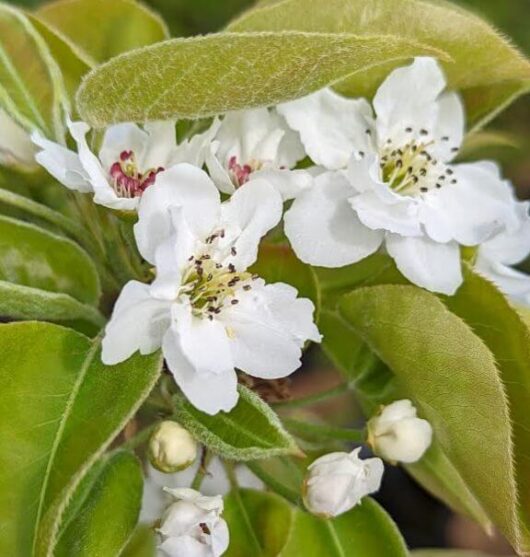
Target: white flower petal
{"x":210,"y":393}
{"x":426,"y":263}
{"x":449,"y":128}
{"x":291,"y":149}
{"x":194,"y":150}
{"x":408,"y":98}
{"x":253,"y":209}
{"x":331,"y":127}
{"x":138,"y":322}
{"x":64,"y":165}
{"x":119,"y":138}
{"x":511,"y":282}
{"x":185,"y":186}
{"x":218,"y":172}
{"x":288,"y":183}
{"x":184,"y":545}
{"x":323,"y":228}
{"x":160,"y":146}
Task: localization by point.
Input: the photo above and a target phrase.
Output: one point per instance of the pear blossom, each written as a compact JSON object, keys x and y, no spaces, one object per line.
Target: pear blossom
{"x":397,"y":434}
{"x":337,"y":482}
{"x":256,"y":143}
{"x":192,"y":525}
{"x":16,"y":148}
{"x":496,"y":256}
{"x":205,"y":309}
{"x":130,"y":160}
{"x":171,"y":447}
{"x":391,"y":180}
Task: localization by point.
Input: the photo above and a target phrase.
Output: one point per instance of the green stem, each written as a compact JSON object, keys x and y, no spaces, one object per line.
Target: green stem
{"x":311,"y":431}
{"x":202,"y":471}
{"x":139,"y":438}
{"x":314,"y":398}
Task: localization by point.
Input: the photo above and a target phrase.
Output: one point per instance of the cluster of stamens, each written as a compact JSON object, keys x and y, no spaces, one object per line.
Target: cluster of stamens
{"x":240,"y":173}
{"x":127,"y":180}
{"x":210,"y":285}
{"x":410,"y":169}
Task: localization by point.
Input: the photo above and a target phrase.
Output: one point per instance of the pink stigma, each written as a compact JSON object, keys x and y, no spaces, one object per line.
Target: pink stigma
{"x":240,"y":173}
{"x":128,"y":182}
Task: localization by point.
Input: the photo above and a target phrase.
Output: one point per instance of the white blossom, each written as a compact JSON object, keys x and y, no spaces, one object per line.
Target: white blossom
{"x":192,"y":526}
{"x":397,"y":434}
{"x":257,"y":143}
{"x":390,"y":179}
{"x":171,"y":447}
{"x":209,"y":314}
{"x":130,"y":160}
{"x":509,"y":247}
{"x":16,"y":148}
{"x":337,"y":482}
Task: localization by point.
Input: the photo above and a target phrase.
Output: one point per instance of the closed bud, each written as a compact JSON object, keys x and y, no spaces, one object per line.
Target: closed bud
{"x":397,"y":434}
{"x":336,"y":482}
{"x":171,"y":448}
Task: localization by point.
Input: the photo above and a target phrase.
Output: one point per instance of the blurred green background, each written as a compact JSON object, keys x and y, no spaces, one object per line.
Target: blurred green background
{"x":511,"y":17}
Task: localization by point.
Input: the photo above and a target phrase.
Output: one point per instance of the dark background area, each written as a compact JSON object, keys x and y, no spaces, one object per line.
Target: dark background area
{"x":423,"y":521}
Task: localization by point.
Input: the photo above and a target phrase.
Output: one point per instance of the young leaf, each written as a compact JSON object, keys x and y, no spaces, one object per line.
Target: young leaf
{"x":33,"y":257}
{"x":264,"y":524}
{"x":109,"y":514}
{"x":488,"y":70}
{"x":32,"y":89}
{"x":451,"y":375}
{"x":99,"y":29}
{"x":203,"y":76}
{"x":61,"y":407}
{"x":250,"y":431}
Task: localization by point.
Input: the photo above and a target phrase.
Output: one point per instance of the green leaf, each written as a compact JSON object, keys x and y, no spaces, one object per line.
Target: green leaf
{"x":250,"y":431}
{"x":488,"y":70}
{"x":451,"y":375}
{"x":61,"y":409}
{"x":99,"y":29}
{"x":447,"y":553}
{"x":278,"y":263}
{"x":31,"y":85}
{"x":203,"y":76}
{"x":109,"y":513}
{"x":478,"y":145}
{"x":497,"y":323}
{"x":263,"y":524}
{"x":141,"y":544}
{"x":33,"y":257}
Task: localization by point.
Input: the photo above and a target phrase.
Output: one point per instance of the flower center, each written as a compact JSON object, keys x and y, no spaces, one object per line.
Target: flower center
{"x":210,"y":285}
{"x":128,"y":181}
{"x":240,"y":173}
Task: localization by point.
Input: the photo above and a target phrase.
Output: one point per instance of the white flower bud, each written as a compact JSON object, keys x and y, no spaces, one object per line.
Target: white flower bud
{"x":397,"y":434}
{"x":192,"y":526}
{"x":171,"y":448}
{"x":336,"y":482}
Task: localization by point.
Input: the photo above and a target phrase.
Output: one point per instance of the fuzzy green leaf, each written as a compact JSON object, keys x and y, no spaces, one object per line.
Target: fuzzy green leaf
{"x":61,"y":409}
{"x":99,"y":29}
{"x":452,"y":377}
{"x":250,"y":431}
{"x":488,"y":70}
{"x":263,"y":524}
{"x":33,"y":257}
{"x":109,"y":514}
{"x":203,"y":76}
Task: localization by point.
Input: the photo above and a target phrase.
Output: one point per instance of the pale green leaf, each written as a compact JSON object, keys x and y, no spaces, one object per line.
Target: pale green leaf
{"x":452,"y":377}
{"x":61,"y":409}
{"x":488,"y":70}
{"x":478,"y":145}
{"x":141,"y":544}
{"x":109,"y":513}
{"x":203,"y":76}
{"x":447,"y":553}
{"x":31,"y":256}
{"x":250,"y":431}
{"x":100,"y":29}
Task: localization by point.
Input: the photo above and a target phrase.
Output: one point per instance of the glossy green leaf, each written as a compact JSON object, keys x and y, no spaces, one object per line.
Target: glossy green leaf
{"x":488,"y":70}
{"x":100,"y":29}
{"x":31,"y":85}
{"x":497,"y":323}
{"x":264,"y":525}
{"x":33,"y":257}
{"x":278,"y":263}
{"x":452,"y":377}
{"x":109,"y":514}
{"x":61,"y":409}
{"x":250,"y":431}
{"x":203,"y":76}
